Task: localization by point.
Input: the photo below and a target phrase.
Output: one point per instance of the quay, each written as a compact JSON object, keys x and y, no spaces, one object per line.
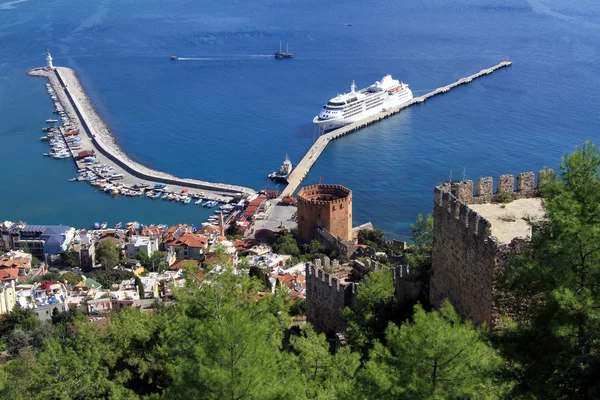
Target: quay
{"x":97,"y":137}
{"x":304,"y":166}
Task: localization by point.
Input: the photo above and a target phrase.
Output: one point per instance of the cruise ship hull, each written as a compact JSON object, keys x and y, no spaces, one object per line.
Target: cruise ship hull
{"x":335,"y":123}
{"x":357,"y":105}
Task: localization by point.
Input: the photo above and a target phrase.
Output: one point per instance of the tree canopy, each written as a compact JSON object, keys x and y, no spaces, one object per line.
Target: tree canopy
{"x":436,"y":356}
{"x":553,"y":287}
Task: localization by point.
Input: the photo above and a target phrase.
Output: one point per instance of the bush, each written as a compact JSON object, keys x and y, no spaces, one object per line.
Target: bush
{"x":298,"y":308}
{"x":505,"y":197}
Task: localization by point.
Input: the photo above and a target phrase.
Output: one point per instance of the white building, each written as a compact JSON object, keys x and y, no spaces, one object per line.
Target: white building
{"x":8,"y":297}
{"x":140,"y":243}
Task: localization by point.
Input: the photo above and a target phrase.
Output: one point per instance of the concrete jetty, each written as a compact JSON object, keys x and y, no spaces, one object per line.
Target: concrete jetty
{"x":98,"y":137}
{"x":304,"y":166}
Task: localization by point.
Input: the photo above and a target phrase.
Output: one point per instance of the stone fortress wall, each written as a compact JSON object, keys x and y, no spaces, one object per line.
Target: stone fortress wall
{"x":327,"y":294}
{"x":325,"y":206}
{"x":466,"y":257}
{"x":326,"y":297}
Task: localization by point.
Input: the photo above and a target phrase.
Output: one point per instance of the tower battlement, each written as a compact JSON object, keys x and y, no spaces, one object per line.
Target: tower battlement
{"x":526,"y":188}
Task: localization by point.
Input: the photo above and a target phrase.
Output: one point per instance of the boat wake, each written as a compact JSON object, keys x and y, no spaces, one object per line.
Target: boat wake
{"x":196,"y":59}
{"x":10,"y":4}
{"x":223,"y":58}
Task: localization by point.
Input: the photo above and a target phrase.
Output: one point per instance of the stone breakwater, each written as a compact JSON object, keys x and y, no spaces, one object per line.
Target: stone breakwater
{"x":82,"y":113}
{"x":304,"y":166}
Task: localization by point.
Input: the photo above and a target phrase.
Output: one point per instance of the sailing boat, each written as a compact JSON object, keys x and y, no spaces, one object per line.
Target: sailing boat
{"x":283,"y":54}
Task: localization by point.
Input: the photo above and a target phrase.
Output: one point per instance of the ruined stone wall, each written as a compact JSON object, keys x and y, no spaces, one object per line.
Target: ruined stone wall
{"x":408,"y":286}
{"x":325,"y":299}
{"x":466,"y":259}
{"x":344,"y":248}
{"x":326,"y":296}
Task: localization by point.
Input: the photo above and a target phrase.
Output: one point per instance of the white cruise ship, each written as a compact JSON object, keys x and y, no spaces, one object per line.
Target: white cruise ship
{"x":356,"y":105}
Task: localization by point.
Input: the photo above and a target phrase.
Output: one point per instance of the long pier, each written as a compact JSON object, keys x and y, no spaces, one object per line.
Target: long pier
{"x":304,"y":166}
{"x":98,"y":137}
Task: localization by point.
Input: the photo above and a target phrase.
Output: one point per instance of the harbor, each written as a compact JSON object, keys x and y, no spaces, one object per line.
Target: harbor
{"x":87,"y":140}
{"x":312,"y":155}
{"x":84,"y":137}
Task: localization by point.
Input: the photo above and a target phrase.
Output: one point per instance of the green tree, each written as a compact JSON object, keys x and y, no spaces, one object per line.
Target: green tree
{"x":158,"y":261}
{"x":143,"y":258}
{"x":35,"y":262}
{"x":286,"y":244}
{"x":18,"y":378}
{"x":437,"y":356}
{"x":140,"y":287}
{"x":374,"y":238}
{"x":108,"y":255}
{"x":68,"y":258}
{"x":16,"y":341}
{"x":71,"y":278}
{"x":226,"y":344}
{"x":553,"y":287}
{"x":135,"y":338}
{"x":20,"y":318}
{"x":325,"y":375}
{"x":51,"y":276}
{"x":418,"y":256}
{"x":375,"y":307}
{"x":76,"y":366}
{"x":314,"y":248}
{"x":110,"y":277}
{"x":233,"y":230}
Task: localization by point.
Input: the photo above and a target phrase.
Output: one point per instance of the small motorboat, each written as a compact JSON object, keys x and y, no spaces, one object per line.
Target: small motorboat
{"x":96,"y":225}
{"x":104,"y":225}
{"x":51,"y":121}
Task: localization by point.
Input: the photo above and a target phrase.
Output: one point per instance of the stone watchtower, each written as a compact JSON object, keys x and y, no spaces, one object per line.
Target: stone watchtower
{"x":325,"y":206}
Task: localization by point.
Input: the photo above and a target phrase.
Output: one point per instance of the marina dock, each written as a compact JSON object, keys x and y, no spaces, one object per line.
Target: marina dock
{"x":304,"y":166}
{"x":97,"y":137}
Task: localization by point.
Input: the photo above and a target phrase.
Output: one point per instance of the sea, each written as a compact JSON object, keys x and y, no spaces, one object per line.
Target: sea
{"x":232,"y":112}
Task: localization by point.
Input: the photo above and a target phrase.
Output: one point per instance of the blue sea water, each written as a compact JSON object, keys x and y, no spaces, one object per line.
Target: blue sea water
{"x":233,"y":114}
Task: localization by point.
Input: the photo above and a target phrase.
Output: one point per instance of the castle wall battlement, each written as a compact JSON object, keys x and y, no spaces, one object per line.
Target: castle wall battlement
{"x":525,"y":187}
{"x":469,"y":220}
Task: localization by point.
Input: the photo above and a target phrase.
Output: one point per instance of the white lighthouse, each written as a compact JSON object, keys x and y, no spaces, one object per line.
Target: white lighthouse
{"x":49,"y":59}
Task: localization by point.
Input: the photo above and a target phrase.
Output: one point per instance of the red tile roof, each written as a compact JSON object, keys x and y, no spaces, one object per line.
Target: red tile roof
{"x":246,"y":244}
{"x":292,"y":282}
{"x":18,"y":262}
{"x":8,"y":273}
{"x":189,"y":240}
{"x":254,"y":205}
{"x":210,"y":229}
